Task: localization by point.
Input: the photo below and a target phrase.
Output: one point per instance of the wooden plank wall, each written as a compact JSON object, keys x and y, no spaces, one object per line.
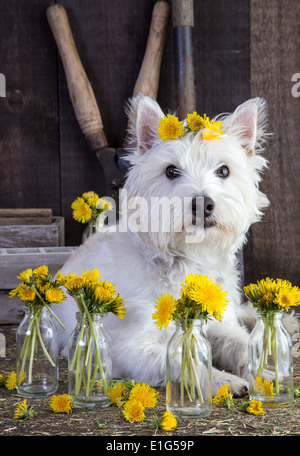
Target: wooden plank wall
{"x":44,"y":160}
{"x":275,"y":57}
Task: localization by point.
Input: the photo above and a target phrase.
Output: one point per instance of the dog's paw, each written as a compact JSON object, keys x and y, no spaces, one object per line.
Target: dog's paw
{"x":237,"y":385}
{"x":291,"y":323}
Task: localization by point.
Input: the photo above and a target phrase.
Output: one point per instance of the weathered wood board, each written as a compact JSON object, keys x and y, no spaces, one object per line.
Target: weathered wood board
{"x":52,"y":235}
{"x":25,"y":217}
{"x":14,"y":261}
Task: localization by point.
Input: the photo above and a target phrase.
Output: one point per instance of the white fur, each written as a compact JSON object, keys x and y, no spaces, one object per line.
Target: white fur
{"x":146,"y":264}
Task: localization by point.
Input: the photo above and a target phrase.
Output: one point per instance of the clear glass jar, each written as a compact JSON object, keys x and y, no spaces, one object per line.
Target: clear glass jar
{"x":90,"y":229}
{"x":89,"y":362}
{"x":188,"y":371}
{"x":37,"y":354}
{"x":271,"y":361}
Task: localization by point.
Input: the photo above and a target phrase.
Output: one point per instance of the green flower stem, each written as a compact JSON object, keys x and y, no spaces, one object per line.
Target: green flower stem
{"x":269,"y":348}
{"x":78,"y":347}
{"x":83,"y":360}
{"x":97,"y":351}
{"x":189,"y":382}
{"x":49,"y":308}
{"x":30,"y":344}
{"x":32,"y":354}
{"x":275,"y":351}
{"x":43,"y":346}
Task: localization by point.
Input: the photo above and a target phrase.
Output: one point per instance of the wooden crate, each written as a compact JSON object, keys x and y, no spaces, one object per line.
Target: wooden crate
{"x":33,"y":235}
{"x":13,"y":261}
{"x":25,"y":216}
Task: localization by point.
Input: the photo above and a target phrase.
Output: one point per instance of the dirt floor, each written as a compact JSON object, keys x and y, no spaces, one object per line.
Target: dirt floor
{"x":111,"y":422}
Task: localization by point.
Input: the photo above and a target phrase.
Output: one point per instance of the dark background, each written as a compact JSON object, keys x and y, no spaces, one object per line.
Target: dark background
{"x":242,"y":49}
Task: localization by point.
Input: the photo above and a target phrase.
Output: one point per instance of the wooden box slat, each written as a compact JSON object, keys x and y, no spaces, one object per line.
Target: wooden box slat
{"x":25,"y":217}
{"x":14,"y":261}
{"x":45,"y":235}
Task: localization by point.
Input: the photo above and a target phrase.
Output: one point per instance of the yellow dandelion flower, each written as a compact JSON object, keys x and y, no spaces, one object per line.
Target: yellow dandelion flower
{"x":207,"y":295}
{"x":11,"y":381}
{"x":267,"y":388}
{"x":115,"y":393}
{"x":2,"y":380}
{"x":61,"y":279}
{"x":81,"y":210}
{"x":117,"y":307}
{"x":91,"y":199}
{"x":287,"y":297}
{"x":223,"y":397}
{"x":55,"y":295}
{"x":27,"y":295}
{"x":74,"y":284}
{"x":89,"y":194}
{"x":144,"y":394}
{"x":93,"y":276}
{"x":104,"y":205}
{"x":196,"y":122}
{"x":133,"y":410}
{"x":170,"y":128}
{"x":22,"y":412}
{"x":41,"y":272}
{"x":102,"y":294}
{"x":16,"y":291}
{"x":26,"y":275}
{"x":165,"y":306}
{"x":255,"y":407}
{"x":61,"y":403}
{"x":212,"y":131}
{"x":258,"y":381}
{"x":168,"y":421}
{"x":275,"y":295}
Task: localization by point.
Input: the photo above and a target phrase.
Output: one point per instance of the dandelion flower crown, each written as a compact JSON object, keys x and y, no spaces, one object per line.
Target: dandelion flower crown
{"x":170,"y":127}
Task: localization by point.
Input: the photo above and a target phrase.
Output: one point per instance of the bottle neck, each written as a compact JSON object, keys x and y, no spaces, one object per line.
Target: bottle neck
{"x":96,"y":317}
{"x":195,"y":324}
{"x":275,"y":317}
{"x":43,"y":311}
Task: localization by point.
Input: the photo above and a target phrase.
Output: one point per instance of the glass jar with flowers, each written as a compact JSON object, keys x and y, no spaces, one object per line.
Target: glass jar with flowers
{"x":89,"y":347}
{"x":270,"y":344}
{"x":188,"y":358}
{"x":90,"y":209}
{"x":36,"y":337}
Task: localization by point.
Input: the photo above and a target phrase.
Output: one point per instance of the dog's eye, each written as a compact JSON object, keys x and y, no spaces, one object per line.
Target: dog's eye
{"x":172,"y":172}
{"x":223,"y":171}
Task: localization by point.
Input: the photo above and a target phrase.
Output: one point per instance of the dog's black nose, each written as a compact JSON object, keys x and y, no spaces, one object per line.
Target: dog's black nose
{"x":208,"y":206}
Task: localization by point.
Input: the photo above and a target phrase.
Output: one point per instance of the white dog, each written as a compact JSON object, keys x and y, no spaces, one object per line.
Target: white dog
{"x":146,"y":262}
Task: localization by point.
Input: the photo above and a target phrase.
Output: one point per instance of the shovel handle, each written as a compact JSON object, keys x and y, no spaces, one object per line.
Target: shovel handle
{"x":80,"y":89}
{"x":148,"y":78}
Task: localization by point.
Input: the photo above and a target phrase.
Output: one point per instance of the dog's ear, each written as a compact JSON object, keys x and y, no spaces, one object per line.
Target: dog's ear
{"x":144,"y":117}
{"x":249,"y":121}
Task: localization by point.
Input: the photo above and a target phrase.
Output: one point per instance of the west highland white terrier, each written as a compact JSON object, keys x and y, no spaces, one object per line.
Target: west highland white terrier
{"x":149,"y":252}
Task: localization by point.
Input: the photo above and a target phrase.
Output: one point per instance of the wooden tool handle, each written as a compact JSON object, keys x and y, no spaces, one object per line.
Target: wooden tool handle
{"x":182,"y":13}
{"x":80,"y":89}
{"x":148,"y":78}
{"x":183,"y":23}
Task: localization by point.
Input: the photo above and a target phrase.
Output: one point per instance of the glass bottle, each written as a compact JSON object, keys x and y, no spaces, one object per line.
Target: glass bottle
{"x":89,"y":230}
{"x":37,"y":354}
{"x":89,"y":362}
{"x":271,"y":361}
{"x":188,"y":371}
